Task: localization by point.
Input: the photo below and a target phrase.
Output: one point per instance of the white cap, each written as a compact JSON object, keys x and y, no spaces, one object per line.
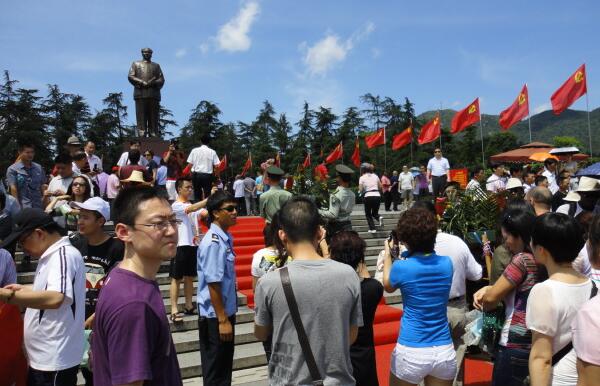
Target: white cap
{"x":513,"y":183}
{"x":572,"y":197}
{"x":588,"y":184}
{"x":96,"y":204}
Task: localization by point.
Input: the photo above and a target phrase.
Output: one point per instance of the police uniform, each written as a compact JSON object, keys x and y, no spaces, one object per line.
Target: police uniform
{"x":272,"y":200}
{"x":216,"y":264}
{"x":341,"y":203}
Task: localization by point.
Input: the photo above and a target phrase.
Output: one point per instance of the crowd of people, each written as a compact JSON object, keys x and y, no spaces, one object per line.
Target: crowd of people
{"x":95,"y":306}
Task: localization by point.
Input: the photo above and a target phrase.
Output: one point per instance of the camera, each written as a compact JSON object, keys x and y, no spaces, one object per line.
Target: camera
{"x":395,"y":247}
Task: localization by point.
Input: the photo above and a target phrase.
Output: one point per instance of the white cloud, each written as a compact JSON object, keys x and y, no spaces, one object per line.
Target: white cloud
{"x":233,"y":35}
{"x":542,"y":107}
{"x":327,"y":52}
{"x":204,"y":47}
{"x":180,"y":53}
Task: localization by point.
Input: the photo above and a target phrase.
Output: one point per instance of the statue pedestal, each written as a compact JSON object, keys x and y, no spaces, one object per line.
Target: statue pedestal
{"x":157,"y":145}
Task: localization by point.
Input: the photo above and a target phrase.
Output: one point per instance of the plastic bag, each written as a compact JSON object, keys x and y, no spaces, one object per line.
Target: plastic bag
{"x":472,"y":335}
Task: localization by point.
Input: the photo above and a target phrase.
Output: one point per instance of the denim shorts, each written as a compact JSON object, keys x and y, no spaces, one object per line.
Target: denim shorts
{"x":413,"y":364}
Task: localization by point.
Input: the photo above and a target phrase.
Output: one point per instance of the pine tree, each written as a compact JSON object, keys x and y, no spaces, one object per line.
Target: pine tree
{"x":204,"y":120}
{"x":165,"y":119}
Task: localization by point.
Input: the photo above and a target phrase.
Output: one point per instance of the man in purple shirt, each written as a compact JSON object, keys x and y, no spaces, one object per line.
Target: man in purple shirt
{"x":132,"y":343}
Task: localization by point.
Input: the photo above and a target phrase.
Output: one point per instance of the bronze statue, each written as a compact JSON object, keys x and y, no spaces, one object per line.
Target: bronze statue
{"x":147,"y":79}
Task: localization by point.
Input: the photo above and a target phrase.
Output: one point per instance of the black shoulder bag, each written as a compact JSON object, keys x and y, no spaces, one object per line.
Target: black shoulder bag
{"x":304,"y":343}
{"x":565,"y":350}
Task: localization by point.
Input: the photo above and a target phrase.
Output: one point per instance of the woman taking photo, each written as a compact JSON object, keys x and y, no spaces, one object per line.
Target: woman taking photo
{"x":424,"y":350}
{"x":78,"y":191}
{"x":556,"y":240}
{"x":369,"y":186}
{"x":513,"y":288}
{"x":347,"y":247}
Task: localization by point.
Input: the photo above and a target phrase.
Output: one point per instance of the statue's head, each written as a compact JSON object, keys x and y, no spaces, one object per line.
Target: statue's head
{"x":147,"y":53}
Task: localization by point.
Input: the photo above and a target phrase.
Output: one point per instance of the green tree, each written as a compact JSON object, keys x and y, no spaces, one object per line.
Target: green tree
{"x":325,"y":130}
{"x":567,"y":141}
{"x":262,"y":129}
{"x":165,"y":119}
{"x":499,"y":142}
{"x":281,"y":139}
{"x":204,"y":120}
{"x":117,"y":111}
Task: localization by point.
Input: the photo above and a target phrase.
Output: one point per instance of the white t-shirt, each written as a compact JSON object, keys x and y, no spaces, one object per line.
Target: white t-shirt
{"x":370,"y":183}
{"x":54,"y":338}
{"x":438,"y":167}
{"x":94,"y":161}
{"x":60,"y":183}
{"x":552,"y":185}
{"x":551,"y":307}
{"x":124,"y":160}
{"x":405,"y":181}
{"x":473,"y":185}
{"x":495,"y":183}
{"x":238,"y":188}
{"x":188,"y":225}
{"x":586,"y":332}
{"x":464,"y":264}
{"x":263,"y":261}
{"x":203,"y":159}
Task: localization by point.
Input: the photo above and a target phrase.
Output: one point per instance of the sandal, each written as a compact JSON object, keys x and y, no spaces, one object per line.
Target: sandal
{"x":190,"y":311}
{"x":176,"y":318}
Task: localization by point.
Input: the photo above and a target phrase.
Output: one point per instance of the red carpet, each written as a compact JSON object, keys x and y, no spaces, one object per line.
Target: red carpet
{"x":248,"y":238}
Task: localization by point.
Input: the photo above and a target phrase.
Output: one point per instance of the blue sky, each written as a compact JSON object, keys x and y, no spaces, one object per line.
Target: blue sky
{"x":239,"y":53}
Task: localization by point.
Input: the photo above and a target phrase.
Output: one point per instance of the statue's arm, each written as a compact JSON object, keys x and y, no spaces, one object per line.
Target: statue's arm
{"x":159,"y":80}
{"x":134,"y":80}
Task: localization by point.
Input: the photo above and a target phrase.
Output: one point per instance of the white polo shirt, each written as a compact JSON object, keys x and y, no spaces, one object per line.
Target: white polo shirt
{"x":124,"y":160}
{"x":54,"y":338}
{"x":438,"y":167}
{"x":464,"y":264}
{"x":61,"y":183}
{"x":203,"y":159}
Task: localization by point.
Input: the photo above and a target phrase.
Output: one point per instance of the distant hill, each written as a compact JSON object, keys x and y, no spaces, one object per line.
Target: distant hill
{"x":544,"y":126}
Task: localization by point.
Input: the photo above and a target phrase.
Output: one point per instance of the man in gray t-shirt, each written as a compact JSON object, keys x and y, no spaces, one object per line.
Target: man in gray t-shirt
{"x":328,"y":297}
{"x":250,"y":195}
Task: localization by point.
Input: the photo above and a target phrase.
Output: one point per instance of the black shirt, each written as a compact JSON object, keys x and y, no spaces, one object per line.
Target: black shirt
{"x":362,"y":352}
{"x":557,"y":199}
{"x":98,"y":260}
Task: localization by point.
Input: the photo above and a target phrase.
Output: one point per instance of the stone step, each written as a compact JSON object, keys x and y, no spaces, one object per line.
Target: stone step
{"x":255,"y":376}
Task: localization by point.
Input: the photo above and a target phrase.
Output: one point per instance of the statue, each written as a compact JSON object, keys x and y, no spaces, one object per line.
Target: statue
{"x":147,"y":79}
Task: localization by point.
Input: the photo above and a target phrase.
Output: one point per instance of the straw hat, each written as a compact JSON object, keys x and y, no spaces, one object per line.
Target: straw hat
{"x":572,"y":197}
{"x":136,"y":176}
{"x":513,"y":183}
{"x":588,"y":184}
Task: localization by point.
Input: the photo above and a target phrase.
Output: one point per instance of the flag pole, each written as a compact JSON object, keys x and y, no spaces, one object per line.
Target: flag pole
{"x":587,"y":107}
{"x":481,"y":126}
{"x":440,"y":114}
{"x":384,"y":149}
{"x":528,"y":114}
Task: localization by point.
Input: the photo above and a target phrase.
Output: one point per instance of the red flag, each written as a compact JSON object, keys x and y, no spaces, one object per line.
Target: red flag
{"x":517,"y":111}
{"x":376,"y":139}
{"x":570,"y":91}
{"x":222,"y":165}
{"x":278,"y":160}
{"x":431,"y":130}
{"x":466,"y":117}
{"x":247,"y":165}
{"x":356,"y":154}
{"x":187,"y":171}
{"x":321,"y":171}
{"x":336,"y":154}
{"x":402,"y":139}
{"x":306,"y":163}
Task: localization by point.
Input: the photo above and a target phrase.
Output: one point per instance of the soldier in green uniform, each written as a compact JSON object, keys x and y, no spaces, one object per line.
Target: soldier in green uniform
{"x":341,"y":203}
{"x":273,"y":199}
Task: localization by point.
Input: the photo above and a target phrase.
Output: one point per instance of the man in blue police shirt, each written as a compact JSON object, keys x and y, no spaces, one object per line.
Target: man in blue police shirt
{"x":217,"y":297}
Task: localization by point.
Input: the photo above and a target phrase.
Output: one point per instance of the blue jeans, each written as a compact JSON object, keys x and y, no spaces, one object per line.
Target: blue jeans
{"x":511,"y":367}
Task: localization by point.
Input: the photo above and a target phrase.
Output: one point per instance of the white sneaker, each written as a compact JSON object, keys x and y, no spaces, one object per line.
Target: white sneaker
{"x":380,"y":221}
{"x":372,"y":230}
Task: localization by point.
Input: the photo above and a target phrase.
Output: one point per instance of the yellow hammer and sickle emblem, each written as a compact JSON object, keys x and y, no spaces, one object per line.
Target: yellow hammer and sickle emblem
{"x":435,"y":121}
{"x":472,"y":109}
{"x":522,"y":99}
{"x":578,"y":76}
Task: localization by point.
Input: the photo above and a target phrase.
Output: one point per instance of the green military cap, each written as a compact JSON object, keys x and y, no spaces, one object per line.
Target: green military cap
{"x":343,"y":169}
{"x":275,"y":171}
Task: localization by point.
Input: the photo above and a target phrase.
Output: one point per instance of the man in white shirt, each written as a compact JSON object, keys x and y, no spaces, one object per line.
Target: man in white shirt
{"x":60,"y":183}
{"x":238,"y":194}
{"x":183,"y":265}
{"x":438,"y":172}
{"x":477,"y":176}
{"x":550,"y":173}
{"x":203,"y":160}
{"x":93,"y":160}
{"x":124,"y":159}
{"x":406,"y":185}
{"x":497,"y":181}
{"x":55,"y":302}
{"x":528,"y":181}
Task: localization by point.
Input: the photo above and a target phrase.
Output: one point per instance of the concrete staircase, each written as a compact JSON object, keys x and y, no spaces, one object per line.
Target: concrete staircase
{"x":249,"y":359}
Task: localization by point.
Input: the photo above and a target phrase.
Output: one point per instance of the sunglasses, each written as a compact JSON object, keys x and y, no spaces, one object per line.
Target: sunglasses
{"x":230,"y":208}
{"x":79,"y":184}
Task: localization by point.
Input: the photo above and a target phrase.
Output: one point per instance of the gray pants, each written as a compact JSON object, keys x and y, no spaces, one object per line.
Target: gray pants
{"x":456,"y":310}
{"x":250,"y":205}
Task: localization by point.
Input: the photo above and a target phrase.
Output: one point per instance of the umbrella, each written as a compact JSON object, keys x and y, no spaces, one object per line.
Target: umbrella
{"x":542,"y":156}
{"x":565,"y":150}
{"x":592,"y":170}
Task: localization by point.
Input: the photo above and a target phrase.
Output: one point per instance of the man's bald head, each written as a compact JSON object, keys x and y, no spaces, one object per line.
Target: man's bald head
{"x":540,"y":196}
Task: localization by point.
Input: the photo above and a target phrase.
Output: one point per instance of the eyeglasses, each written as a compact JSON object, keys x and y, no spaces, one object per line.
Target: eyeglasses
{"x":148,"y":155}
{"x":437,"y":151}
{"x":163,"y":225}
{"x":79,"y":184}
{"x":230,"y":208}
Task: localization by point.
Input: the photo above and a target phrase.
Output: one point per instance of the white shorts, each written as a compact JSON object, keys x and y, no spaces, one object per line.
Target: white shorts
{"x":170,"y":185}
{"x":413,"y":364}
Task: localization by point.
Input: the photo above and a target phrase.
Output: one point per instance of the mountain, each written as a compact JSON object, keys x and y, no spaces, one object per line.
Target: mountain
{"x":544,"y":126}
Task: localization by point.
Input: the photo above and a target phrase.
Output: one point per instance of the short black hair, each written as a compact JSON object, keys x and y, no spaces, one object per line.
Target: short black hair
{"x":540,"y":179}
{"x":515,"y":169}
{"x":475,"y":171}
{"x":63,"y":158}
{"x":299,"y":219}
{"x":127,"y":203}
{"x":205,"y":139}
{"x":149,"y":151}
{"x":417,"y":229}
{"x":497,"y":165}
{"x":345,"y":177}
{"x":427,"y":205}
{"x":134,"y":142}
{"x":134,"y":156}
{"x":348,"y":247}
{"x":518,"y":223}
{"x":24,"y":145}
{"x":550,"y":161}
{"x":215,"y":201}
{"x":560,"y":235}
{"x":180,"y":182}
{"x":79,"y":156}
